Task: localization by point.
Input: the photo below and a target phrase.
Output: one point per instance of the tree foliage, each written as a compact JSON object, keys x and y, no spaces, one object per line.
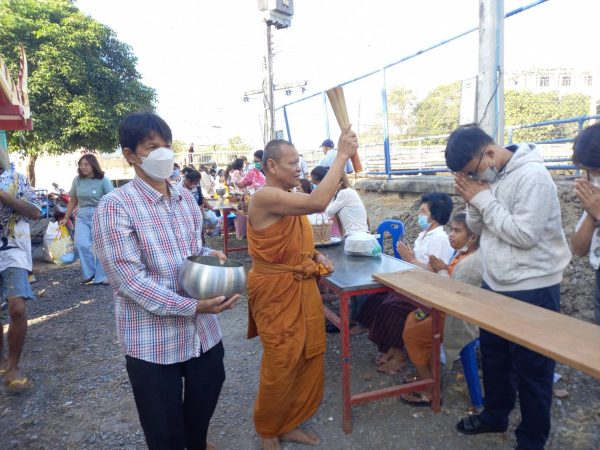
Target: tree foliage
{"x":82,"y":79}
{"x":438,"y":113}
{"x":238,"y":147}
{"x":524,"y":107}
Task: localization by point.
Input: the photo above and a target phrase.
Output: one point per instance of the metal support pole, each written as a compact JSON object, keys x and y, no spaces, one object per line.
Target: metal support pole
{"x":327,"y":131}
{"x":490,"y":81}
{"x":287,"y":124}
{"x":386,"y":138}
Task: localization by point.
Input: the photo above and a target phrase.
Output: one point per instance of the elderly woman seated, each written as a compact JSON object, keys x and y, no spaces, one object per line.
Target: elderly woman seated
{"x":466,"y":266}
{"x":385,"y":315}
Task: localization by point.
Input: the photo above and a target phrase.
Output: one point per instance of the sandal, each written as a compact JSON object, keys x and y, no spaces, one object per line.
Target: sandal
{"x":419,"y":399}
{"x":410,"y":379}
{"x":18,"y":385}
{"x":474,"y":425}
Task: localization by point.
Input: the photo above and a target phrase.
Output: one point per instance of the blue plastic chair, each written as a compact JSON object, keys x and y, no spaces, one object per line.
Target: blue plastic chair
{"x":468,"y":357}
{"x":396,"y":230}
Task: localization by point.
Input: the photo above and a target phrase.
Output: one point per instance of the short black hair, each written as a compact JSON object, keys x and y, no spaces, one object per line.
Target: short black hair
{"x":306,"y":185}
{"x":318,"y":173}
{"x":463,"y":144}
{"x":238,"y":164}
{"x":258,"y":154}
{"x":192,"y":175}
{"x":440,"y":206}
{"x":586,"y":149}
{"x":139,"y":126}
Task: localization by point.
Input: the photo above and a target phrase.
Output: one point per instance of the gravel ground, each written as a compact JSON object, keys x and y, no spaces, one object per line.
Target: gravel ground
{"x":82,"y":397}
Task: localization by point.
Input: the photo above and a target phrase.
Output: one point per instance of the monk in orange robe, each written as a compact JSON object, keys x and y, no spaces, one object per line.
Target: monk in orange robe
{"x":285,"y":307}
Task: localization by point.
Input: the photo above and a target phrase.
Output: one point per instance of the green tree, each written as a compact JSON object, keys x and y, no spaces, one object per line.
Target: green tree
{"x":524,"y":107}
{"x":438,"y":112}
{"x":82,"y":79}
{"x":238,"y":147}
{"x":401,"y":105}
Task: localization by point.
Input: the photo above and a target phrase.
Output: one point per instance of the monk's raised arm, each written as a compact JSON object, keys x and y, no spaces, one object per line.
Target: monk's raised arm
{"x":282,"y":170}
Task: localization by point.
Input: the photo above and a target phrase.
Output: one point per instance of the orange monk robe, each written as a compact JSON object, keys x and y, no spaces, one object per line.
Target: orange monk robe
{"x":286,"y":311}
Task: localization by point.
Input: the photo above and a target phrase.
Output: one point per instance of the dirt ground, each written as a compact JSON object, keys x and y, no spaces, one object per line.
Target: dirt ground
{"x":82,"y":398}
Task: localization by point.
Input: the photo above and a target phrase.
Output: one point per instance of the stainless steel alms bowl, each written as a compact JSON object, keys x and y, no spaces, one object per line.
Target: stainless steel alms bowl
{"x":204,"y":277}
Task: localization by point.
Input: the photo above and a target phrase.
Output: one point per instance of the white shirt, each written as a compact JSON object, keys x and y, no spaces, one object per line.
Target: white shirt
{"x":327,"y":160}
{"x":15,"y":243}
{"x":433,"y":243}
{"x":351,"y":211}
{"x":303,"y":167}
{"x":594,"y":243}
{"x":207,"y":185}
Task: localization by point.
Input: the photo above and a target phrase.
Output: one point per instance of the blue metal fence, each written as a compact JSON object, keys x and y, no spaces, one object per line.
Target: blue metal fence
{"x":420,"y":151}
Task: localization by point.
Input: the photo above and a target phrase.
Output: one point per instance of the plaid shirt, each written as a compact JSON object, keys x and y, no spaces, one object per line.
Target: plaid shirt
{"x":142,"y":238}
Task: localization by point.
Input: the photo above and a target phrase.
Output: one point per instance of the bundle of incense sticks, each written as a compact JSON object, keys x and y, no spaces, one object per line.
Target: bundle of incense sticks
{"x":338,"y":104}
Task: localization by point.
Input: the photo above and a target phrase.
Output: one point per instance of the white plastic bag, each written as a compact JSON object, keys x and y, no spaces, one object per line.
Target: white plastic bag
{"x":58,"y":245}
{"x":362,"y":243}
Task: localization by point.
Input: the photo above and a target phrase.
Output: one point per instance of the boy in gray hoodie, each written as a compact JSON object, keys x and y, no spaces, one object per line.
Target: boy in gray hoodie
{"x":513,"y":204}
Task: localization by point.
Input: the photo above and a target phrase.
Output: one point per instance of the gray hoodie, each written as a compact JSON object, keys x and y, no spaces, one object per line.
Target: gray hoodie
{"x":523,"y":245}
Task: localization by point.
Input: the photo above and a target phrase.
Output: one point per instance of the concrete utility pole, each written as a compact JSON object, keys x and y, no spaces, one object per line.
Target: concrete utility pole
{"x":490,"y":81}
{"x":268,"y":90}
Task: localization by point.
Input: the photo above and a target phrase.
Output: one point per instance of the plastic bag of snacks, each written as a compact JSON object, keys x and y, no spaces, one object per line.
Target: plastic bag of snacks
{"x":58,"y":244}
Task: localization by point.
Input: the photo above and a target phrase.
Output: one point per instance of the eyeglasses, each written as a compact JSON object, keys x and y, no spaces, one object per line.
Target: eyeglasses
{"x":590,"y":174}
{"x":474,"y":173}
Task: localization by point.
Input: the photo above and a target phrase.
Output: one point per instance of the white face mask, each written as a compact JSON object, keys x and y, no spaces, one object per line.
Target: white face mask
{"x":595,"y":180}
{"x":465,"y":247}
{"x":489,"y":175}
{"x":158,"y":165}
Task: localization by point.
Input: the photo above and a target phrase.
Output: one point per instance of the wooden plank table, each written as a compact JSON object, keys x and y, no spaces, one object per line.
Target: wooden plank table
{"x":225,"y":210}
{"x":563,"y":338}
{"x":352,"y":276}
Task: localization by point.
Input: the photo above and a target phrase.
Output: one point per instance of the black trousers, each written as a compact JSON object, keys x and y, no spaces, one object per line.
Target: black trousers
{"x":175,"y":402}
{"x":509,"y":368}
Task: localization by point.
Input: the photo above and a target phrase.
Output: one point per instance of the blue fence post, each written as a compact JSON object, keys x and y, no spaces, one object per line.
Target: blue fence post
{"x":287,"y":124}
{"x":327,"y":133}
{"x":3,"y":144}
{"x":386,"y":137}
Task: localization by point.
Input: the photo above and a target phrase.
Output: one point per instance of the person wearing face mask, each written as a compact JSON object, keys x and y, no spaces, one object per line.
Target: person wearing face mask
{"x":86,"y":191}
{"x":176,"y":174}
{"x":586,"y":240}
{"x":254,"y":178}
{"x":143,"y":232}
{"x":384,"y":315}
{"x":513,"y":204}
{"x":466,"y":267}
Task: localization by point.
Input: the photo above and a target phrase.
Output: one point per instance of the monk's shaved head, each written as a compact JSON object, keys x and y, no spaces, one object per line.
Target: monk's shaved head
{"x":273,"y":150}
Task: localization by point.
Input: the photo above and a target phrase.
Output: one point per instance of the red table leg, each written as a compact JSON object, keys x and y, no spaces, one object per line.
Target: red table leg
{"x":225,"y":212}
{"x":345,"y":336}
{"x":436,"y":367}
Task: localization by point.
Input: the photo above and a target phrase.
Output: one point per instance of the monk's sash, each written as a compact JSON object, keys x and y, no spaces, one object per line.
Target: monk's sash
{"x":302,"y":272}
{"x":308,"y":268}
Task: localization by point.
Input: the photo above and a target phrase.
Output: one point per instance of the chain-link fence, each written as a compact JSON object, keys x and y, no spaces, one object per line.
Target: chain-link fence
{"x":404,"y":112}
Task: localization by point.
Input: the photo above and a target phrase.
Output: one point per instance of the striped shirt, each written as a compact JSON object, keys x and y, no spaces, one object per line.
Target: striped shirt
{"x":142,"y":238}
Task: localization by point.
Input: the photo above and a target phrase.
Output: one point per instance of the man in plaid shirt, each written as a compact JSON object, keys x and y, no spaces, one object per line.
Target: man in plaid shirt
{"x":142,"y":233}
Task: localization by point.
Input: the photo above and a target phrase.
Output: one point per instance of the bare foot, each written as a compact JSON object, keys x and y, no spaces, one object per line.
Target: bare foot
{"x":301,"y":436}
{"x":393,"y":365}
{"x":3,"y":365}
{"x":270,"y":443}
{"x":210,"y":446}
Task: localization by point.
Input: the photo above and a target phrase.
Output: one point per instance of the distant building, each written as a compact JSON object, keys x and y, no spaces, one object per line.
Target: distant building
{"x":555,"y":79}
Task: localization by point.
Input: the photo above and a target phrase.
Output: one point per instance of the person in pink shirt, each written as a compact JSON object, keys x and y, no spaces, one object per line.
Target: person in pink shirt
{"x":255,"y":178}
